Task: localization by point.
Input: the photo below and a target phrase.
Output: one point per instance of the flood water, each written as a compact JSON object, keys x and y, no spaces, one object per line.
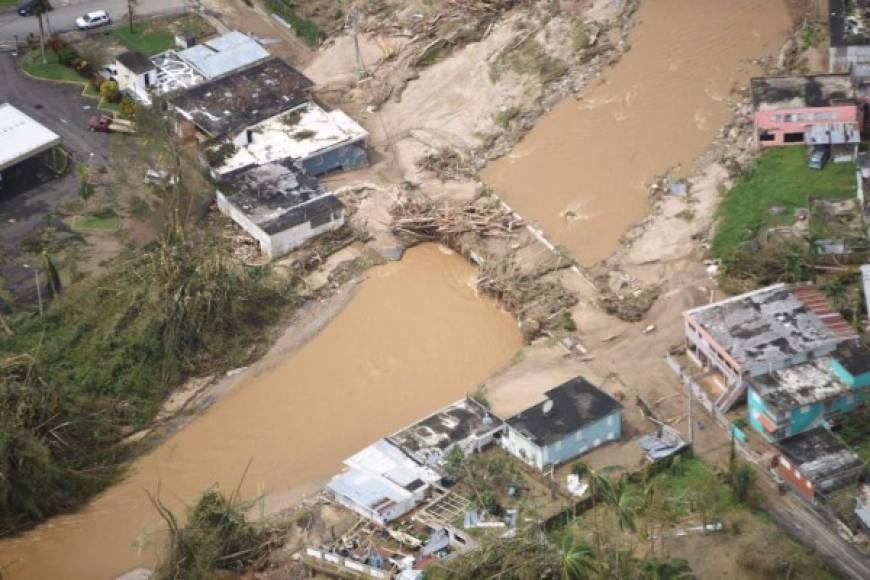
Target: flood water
{"x":581,"y":173}
{"x":414,"y":338}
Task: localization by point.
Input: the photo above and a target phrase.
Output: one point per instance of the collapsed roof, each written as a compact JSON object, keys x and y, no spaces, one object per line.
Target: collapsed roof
{"x":244,"y":98}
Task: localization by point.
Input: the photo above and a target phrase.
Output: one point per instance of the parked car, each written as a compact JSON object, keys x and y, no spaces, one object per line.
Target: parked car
{"x":818,"y":158}
{"x":93,"y":19}
{"x":26,"y":7}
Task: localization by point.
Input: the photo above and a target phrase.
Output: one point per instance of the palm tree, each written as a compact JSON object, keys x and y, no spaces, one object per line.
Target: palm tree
{"x":42,"y":8}
{"x":131,"y":12}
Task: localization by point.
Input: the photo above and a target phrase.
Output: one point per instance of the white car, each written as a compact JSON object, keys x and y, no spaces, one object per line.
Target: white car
{"x":93,"y":20}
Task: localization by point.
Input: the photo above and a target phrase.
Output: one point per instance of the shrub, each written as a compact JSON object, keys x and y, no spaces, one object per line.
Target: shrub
{"x":97,"y":82}
{"x":66,"y":56}
{"x":56,"y":44}
{"x":109,"y":90}
{"x":128,"y":108}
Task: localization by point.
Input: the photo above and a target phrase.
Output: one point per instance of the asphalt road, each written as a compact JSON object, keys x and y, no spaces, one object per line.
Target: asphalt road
{"x":62,"y":18}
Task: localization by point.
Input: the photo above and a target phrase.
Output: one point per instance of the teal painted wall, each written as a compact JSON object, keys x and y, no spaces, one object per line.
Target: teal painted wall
{"x":856,"y":382}
{"x":802,"y":418}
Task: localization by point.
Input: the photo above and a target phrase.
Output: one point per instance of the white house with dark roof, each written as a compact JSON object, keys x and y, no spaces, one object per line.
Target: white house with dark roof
{"x":574,"y":418}
{"x":136,"y":74}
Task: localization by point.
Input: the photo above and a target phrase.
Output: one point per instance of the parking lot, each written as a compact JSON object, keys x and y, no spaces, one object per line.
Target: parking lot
{"x":61,"y":108}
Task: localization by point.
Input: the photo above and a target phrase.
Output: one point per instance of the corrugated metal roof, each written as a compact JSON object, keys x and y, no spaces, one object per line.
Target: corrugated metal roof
{"x":224,"y":54}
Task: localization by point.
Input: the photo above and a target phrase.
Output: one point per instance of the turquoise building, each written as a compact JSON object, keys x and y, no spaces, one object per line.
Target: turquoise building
{"x":797,"y":399}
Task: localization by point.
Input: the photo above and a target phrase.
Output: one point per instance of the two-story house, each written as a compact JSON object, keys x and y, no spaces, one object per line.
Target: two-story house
{"x":812,"y":110}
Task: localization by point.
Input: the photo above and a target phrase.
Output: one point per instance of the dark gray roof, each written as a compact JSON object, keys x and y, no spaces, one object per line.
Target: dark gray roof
{"x":280,"y":195}
{"x":135,"y":61}
{"x":567,"y":409}
{"x":783,"y":92}
{"x":854,"y":357}
{"x":819,"y":454}
{"x":244,"y":97}
{"x":849,"y":22}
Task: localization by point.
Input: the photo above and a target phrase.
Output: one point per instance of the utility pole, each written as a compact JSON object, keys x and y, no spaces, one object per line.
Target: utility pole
{"x":361,"y":72}
{"x":691,"y":423}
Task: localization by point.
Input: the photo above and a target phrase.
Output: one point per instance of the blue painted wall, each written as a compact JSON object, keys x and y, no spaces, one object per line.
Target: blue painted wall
{"x":341,"y":159}
{"x":598,"y":433}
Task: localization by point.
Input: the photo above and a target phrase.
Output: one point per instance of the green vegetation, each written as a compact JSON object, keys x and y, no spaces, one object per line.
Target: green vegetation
{"x":307,"y":30}
{"x":104,"y":355}
{"x":106,"y":221}
{"x":855,"y":431}
{"x":10,"y":3}
{"x":503,"y":118}
{"x":215,"y":537}
{"x":146,"y":38}
{"x":51,"y":70}
{"x":780,"y":178}
{"x":529,"y":58}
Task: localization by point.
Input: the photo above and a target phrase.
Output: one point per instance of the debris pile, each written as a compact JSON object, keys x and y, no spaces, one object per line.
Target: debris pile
{"x":448,"y":164}
{"x":533,"y":295}
{"x":423,"y":219}
{"x":621,"y":295}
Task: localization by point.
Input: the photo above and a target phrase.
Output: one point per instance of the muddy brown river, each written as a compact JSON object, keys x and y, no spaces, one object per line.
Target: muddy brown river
{"x":582,"y":173}
{"x":414,"y":338}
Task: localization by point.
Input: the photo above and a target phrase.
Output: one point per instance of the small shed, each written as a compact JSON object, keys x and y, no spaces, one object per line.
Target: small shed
{"x":136,"y":74}
{"x":574,"y":418}
{"x":818,"y":462}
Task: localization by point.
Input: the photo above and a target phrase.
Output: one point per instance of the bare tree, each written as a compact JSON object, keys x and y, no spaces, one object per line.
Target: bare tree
{"x":131,"y":12}
{"x":42,"y":8}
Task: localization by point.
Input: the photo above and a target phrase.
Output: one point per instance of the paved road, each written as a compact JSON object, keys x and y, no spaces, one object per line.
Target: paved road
{"x":62,"y":18}
{"x":61,"y":108}
{"x":805,"y":525}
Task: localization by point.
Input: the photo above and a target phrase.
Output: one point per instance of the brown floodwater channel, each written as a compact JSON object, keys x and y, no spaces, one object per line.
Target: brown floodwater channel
{"x":415,"y":337}
{"x":582,"y":173}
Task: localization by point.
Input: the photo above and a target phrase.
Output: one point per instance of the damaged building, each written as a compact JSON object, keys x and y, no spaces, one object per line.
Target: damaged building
{"x":280,"y":205}
{"x":759,"y":332}
{"x":228,"y":106}
{"x":322,"y":141}
{"x":466,"y":425}
{"x":817,"y":462}
{"x":791,"y":401}
{"x":574,"y":418}
{"x":142,"y":76}
{"x":849,"y":26}
{"x":381,"y":483}
{"x":817,"y":110}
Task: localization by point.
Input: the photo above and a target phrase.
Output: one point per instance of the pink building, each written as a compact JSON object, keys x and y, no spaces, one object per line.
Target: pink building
{"x":812,"y":110}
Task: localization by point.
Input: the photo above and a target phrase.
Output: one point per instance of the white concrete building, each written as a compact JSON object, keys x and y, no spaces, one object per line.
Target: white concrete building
{"x":322,"y":141}
{"x":381,"y":483}
{"x":280,"y":206}
{"x":137,"y":74}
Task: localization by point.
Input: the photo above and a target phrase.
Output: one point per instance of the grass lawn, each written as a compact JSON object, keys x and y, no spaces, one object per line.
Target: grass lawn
{"x":52,"y":70}
{"x":8,"y":3}
{"x":779,"y":177}
{"x":108,"y":222}
{"x":145,"y":38}
{"x":109,"y":107}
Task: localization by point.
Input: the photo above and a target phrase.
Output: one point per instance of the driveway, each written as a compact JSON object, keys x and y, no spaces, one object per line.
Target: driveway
{"x":61,"y":108}
{"x":63,"y":17}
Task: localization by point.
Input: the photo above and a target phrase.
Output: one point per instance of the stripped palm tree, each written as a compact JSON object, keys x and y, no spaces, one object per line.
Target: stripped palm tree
{"x":42,"y":8}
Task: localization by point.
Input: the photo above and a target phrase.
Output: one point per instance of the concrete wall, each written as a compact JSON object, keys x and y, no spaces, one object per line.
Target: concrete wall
{"x":591,"y":436}
{"x":777,"y":123}
{"x":841,"y":59}
{"x":288,"y":240}
{"x":350,"y":156}
{"x":276,"y":245}
{"x":135,"y":84}
{"x":797,"y":420}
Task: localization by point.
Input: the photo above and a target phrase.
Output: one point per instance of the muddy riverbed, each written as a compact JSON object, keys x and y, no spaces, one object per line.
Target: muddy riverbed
{"x":582,"y":173}
{"x":415,"y":337}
